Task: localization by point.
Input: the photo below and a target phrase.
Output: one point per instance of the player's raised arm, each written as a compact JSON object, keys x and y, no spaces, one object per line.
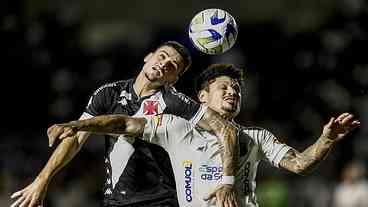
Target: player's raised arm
{"x":333,"y":131}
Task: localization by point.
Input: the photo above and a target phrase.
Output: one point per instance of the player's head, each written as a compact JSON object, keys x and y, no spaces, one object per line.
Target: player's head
{"x":165,"y":65}
{"x":219,"y":87}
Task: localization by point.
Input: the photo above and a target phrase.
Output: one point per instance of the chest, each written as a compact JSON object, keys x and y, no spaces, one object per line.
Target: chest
{"x":129,"y":104}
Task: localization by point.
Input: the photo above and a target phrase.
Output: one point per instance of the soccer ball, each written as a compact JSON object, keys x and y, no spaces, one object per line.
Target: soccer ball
{"x":213,"y":31}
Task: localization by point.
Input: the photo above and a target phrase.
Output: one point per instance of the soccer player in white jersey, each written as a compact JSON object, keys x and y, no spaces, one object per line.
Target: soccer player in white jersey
{"x":195,"y":153}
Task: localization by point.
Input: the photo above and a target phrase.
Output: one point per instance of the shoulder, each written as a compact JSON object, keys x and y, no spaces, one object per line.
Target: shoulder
{"x":117,"y":85}
{"x":170,"y":93}
{"x":258,"y":134}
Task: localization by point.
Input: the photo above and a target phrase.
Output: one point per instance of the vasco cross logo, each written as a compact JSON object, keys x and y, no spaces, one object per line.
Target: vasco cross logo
{"x":150,"y":108}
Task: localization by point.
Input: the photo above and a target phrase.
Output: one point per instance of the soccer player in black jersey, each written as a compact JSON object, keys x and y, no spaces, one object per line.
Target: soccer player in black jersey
{"x":139,"y":173}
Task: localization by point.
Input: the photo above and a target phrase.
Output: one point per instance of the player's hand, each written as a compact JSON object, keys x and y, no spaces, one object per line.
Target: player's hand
{"x":32,"y":195}
{"x":60,"y":131}
{"x":336,"y":129}
{"x":225,"y":196}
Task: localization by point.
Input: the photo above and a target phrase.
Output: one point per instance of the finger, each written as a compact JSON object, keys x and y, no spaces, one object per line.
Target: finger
{"x":50,"y":129}
{"x":210,"y":196}
{"x":19,"y":200}
{"x":16,"y":194}
{"x":35,"y":201}
{"x":355,"y":122}
{"x":348,"y":119}
{"x":231,"y":201}
{"x":332,"y":120}
{"x":25,"y":202}
{"x":342,"y":116}
{"x":236,"y":202}
{"x":54,"y":134}
{"x":67,"y":133}
{"x":220,"y":199}
{"x":227,"y":202}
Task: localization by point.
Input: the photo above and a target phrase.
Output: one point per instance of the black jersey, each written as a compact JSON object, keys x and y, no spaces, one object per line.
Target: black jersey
{"x":137,"y":171}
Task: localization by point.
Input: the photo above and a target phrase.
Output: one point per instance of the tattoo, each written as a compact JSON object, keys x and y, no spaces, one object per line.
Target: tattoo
{"x":227,"y":134}
{"x":306,"y":161}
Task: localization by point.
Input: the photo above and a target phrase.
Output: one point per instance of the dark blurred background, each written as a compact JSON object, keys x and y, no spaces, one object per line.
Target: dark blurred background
{"x":305,"y":61}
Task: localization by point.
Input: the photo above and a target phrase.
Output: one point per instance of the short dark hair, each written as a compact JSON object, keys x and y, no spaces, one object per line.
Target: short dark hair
{"x":215,"y":70}
{"x":182,"y":50}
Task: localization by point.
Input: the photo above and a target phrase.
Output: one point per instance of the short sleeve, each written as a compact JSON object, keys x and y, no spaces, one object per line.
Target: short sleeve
{"x":101,"y":101}
{"x":166,"y":130}
{"x":181,"y":105}
{"x":271,"y":148}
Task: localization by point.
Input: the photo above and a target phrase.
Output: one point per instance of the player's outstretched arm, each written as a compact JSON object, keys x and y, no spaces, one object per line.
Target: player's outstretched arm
{"x":227,"y":133}
{"x":104,"y":124}
{"x":333,"y":131}
{"x":34,"y":194}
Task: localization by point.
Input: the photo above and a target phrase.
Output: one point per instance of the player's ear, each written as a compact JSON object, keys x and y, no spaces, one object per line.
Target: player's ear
{"x":148,"y":56}
{"x":202,"y":96}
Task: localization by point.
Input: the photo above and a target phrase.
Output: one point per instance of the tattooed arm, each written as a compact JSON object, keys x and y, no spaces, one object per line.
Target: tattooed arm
{"x":333,"y":131}
{"x":227,"y":133}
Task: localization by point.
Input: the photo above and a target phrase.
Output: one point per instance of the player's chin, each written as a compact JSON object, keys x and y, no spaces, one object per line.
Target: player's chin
{"x":154,"y":77}
{"x":230,"y":106}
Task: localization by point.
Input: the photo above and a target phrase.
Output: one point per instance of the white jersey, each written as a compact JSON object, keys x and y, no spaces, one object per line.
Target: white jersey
{"x":196,"y":158}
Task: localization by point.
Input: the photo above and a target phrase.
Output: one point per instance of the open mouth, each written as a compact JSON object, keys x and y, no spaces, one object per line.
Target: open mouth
{"x":230,"y":99}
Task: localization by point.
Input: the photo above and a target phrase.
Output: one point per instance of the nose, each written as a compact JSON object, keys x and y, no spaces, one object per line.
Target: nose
{"x":231,"y":91}
{"x":163,"y":63}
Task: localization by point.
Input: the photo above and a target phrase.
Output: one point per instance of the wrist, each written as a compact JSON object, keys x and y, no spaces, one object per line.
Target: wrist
{"x":228,"y":180}
{"x":327,"y":139}
{"x":43,"y":179}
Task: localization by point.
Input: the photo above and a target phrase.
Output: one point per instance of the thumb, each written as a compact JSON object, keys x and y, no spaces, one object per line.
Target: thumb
{"x":51,"y":140}
{"x":210,"y":196}
{"x":332,"y":120}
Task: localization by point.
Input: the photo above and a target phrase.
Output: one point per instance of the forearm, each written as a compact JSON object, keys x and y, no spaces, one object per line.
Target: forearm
{"x":227,"y":134}
{"x":113,"y":124}
{"x":62,"y":155}
{"x":308,"y":160}
{"x":317,"y":152}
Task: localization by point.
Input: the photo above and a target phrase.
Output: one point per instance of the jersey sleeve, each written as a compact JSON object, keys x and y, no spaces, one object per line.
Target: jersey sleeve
{"x":166,"y":130}
{"x":179,"y":104}
{"x":101,"y":101}
{"x":272,"y":150}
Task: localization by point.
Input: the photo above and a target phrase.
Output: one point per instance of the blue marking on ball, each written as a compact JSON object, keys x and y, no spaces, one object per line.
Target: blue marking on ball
{"x":215,"y":35}
{"x":215,"y":20}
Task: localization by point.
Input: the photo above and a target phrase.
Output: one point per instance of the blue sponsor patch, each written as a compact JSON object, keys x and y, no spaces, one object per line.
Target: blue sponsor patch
{"x":188,"y":172}
{"x":211,"y":172}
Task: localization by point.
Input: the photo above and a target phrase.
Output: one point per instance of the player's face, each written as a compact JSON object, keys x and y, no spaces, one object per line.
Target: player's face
{"x":223,"y":96}
{"x":164,"y":65}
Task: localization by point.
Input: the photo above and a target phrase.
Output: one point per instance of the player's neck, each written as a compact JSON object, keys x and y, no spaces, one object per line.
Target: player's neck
{"x":144,"y":87}
{"x":227,"y":117}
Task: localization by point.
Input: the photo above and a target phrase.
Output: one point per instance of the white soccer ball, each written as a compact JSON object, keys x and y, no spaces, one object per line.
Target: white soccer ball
{"x":213,"y":31}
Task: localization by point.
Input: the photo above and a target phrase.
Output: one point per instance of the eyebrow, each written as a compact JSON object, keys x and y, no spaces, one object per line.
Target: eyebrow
{"x":175,"y":61}
{"x":232,"y":83}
